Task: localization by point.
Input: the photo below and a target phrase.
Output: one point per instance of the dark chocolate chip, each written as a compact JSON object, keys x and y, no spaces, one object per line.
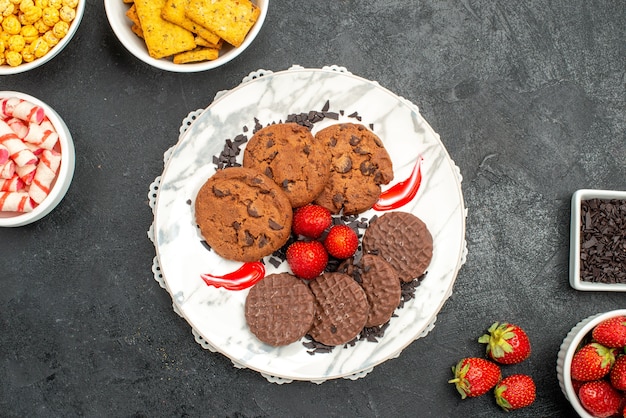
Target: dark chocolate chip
{"x":343,"y":164}
{"x":275,"y":225}
{"x":249,"y":239}
{"x":252,"y":211}
{"x":220,"y":193}
{"x":338,"y":199}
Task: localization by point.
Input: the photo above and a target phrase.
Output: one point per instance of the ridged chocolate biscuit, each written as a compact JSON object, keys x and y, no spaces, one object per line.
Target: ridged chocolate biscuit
{"x":340,"y":309}
{"x":279,"y":309}
{"x":403,"y":240}
{"x":289,"y":154}
{"x":359,"y":165}
{"x":381,"y":284}
{"x":242,"y":214}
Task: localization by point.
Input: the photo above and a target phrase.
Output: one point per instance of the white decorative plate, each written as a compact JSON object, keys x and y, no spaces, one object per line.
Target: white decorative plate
{"x":217,"y":315}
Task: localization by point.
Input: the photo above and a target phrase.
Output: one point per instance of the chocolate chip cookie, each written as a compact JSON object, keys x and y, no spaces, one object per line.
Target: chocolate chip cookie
{"x":289,"y":154}
{"x":359,"y":165}
{"x":242,"y":214}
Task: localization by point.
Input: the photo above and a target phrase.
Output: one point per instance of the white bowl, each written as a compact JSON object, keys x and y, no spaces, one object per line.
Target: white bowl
{"x":116,"y":13}
{"x":64,"y":176}
{"x":566,"y":353}
{"x":54,"y":51}
{"x":575,"y":234}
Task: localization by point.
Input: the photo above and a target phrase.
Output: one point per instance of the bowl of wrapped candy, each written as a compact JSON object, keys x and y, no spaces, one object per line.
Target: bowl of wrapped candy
{"x":37,"y":159}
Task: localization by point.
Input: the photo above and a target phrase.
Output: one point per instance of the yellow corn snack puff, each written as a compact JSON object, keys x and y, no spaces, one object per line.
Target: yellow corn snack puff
{"x":196,"y":55}
{"x":162,"y":38}
{"x":229,"y":19}
{"x":174,"y":11}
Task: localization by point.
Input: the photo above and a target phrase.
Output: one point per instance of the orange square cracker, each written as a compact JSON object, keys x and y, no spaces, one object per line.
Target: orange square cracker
{"x":174,"y":11}
{"x":229,"y":19}
{"x":162,"y":38}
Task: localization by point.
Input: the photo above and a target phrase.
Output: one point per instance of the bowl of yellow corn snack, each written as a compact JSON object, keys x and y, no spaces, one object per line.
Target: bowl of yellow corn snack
{"x":32,"y":32}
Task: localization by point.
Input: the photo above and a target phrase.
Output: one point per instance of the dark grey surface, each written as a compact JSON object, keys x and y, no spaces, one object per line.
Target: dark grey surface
{"x":529,"y":99}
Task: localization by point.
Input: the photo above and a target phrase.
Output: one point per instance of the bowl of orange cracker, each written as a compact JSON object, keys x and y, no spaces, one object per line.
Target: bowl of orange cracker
{"x":186,"y":35}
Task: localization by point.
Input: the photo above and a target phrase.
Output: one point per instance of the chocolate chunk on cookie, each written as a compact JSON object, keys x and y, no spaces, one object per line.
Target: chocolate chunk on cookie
{"x":381,"y":284}
{"x":279,"y":309}
{"x":340,"y":309}
{"x":359,"y":165}
{"x":242,"y":214}
{"x":289,"y":154}
{"x":403,"y":240}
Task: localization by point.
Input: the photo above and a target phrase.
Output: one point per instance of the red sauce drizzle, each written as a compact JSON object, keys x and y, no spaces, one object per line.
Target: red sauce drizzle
{"x":401,"y":193}
{"x":242,"y":278}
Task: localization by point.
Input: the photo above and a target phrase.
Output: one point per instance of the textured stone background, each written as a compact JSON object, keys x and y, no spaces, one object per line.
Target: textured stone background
{"x":529,"y":98}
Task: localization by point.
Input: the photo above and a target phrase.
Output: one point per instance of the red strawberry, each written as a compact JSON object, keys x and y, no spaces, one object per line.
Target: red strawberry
{"x":506,"y":343}
{"x":576,"y":384}
{"x":475,"y":376}
{"x":611,"y":332}
{"x":618,"y":373}
{"x":341,"y":241}
{"x":592,"y":362}
{"x":599,"y":398}
{"x":307,"y":259}
{"x":311,"y":221}
{"x":515,"y":392}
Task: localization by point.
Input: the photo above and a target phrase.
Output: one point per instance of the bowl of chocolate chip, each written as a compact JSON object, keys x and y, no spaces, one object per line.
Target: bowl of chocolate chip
{"x":598,"y":240}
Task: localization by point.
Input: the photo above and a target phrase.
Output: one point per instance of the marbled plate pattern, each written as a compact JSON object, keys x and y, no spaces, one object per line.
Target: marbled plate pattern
{"x":217,"y":315}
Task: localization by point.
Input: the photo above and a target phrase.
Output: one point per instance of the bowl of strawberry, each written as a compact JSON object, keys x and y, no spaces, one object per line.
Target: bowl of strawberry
{"x":591,"y":365}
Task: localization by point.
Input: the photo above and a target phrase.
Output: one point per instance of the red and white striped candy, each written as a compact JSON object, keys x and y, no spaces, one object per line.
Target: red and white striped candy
{"x":15,"y":202}
{"x":13,"y":184}
{"x":42,"y":135}
{"x":17,"y":150}
{"x":7,"y":170}
{"x":18,"y":126}
{"x":26,"y":173}
{"x":4,"y":154}
{"x":44,"y":176}
{"x":21,"y":109}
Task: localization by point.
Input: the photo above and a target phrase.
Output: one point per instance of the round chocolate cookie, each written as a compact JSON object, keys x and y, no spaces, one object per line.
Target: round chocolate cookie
{"x":289,"y":154}
{"x":381,"y":284}
{"x":403,"y":240}
{"x":359,"y":165}
{"x":279,"y":309}
{"x":242,"y":214}
{"x":340,"y":309}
